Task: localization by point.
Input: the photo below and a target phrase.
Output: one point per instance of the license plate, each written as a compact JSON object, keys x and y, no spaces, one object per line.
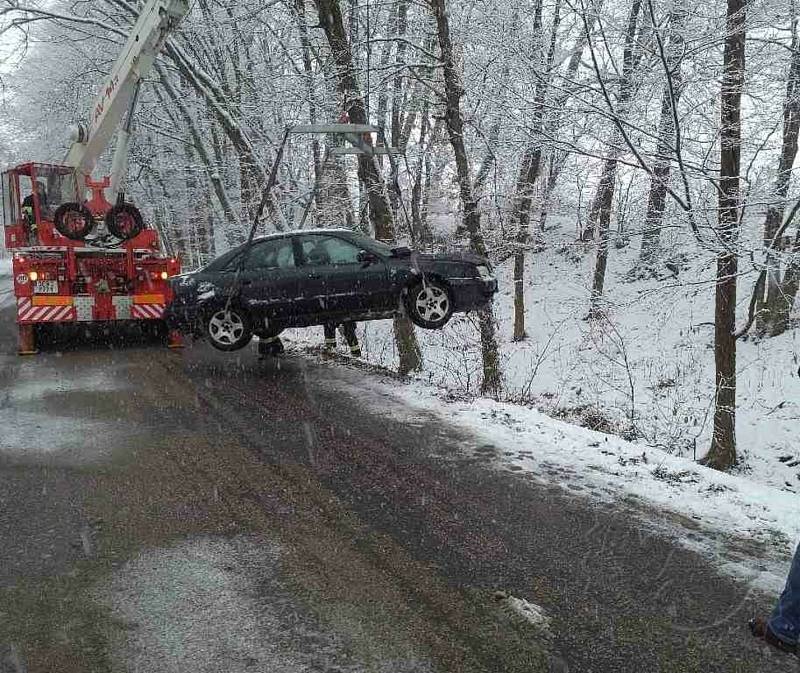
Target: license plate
{"x":45,"y":287}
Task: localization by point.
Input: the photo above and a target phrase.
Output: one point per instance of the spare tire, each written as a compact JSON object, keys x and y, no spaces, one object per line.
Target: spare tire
{"x":73,"y":221}
{"x":124,"y":221}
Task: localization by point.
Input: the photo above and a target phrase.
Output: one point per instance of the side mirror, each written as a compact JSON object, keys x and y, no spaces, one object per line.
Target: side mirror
{"x":366,"y":257}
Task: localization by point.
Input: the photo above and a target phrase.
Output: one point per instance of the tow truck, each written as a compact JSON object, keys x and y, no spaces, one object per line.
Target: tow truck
{"x":81,"y":252}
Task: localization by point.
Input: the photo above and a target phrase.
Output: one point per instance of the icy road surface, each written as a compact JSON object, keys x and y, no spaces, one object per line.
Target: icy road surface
{"x":195,"y":511}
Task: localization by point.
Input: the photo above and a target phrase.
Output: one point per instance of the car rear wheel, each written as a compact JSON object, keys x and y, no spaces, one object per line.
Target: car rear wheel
{"x":429,"y":304}
{"x":228,"y":329}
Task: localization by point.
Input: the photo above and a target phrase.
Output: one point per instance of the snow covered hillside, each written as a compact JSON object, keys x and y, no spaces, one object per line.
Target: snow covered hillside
{"x":646,"y":372}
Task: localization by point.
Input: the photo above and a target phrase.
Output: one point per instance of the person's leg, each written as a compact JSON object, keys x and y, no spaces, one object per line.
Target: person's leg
{"x":349,"y":331}
{"x":330,"y":337}
{"x":270,"y":346}
{"x":785,"y":619}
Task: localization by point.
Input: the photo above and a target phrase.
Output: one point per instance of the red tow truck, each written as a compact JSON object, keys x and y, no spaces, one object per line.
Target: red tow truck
{"x":78,"y":256}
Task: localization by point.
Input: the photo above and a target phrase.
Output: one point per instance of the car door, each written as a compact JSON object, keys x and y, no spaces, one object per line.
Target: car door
{"x":270,"y":279}
{"x":335,"y":280}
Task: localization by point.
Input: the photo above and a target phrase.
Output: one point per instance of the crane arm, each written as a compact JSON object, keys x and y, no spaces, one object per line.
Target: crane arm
{"x":156,"y":21}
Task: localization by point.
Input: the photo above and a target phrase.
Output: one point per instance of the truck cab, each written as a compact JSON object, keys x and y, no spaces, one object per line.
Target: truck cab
{"x":31,"y":195}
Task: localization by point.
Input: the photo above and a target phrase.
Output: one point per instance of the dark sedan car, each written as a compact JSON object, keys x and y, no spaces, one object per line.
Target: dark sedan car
{"x":314,"y":277}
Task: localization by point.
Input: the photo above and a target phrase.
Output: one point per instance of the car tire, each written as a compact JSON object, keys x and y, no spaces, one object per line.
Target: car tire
{"x":430,"y":304}
{"x":228,"y":329}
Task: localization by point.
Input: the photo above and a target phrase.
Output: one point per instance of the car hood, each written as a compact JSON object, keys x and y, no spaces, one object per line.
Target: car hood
{"x":452,"y":257}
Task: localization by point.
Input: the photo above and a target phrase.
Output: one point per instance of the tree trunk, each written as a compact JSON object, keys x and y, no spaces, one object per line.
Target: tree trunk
{"x":454,"y":121}
{"x":330,"y":18}
{"x":722,"y":454}
{"x":529,"y":173}
{"x":522,"y":209}
{"x":603,"y":203}
{"x":599,"y":225}
{"x":418,"y":232}
{"x":656,"y":200}
{"x":776,"y":303}
{"x":789,"y":287}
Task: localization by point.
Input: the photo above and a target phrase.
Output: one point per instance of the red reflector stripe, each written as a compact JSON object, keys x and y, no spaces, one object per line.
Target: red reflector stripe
{"x":27,"y":312}
{"x":147,"y":311}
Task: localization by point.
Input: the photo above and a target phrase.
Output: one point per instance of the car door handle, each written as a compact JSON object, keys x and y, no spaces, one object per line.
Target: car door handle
{"x":247,"y":281}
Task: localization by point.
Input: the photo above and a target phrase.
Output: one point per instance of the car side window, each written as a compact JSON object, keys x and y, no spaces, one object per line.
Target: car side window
{"x":274,"y":254}
{"x":328,"y":251}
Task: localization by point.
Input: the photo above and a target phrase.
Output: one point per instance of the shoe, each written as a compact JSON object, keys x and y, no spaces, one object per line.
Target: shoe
{"x":759,"y":627}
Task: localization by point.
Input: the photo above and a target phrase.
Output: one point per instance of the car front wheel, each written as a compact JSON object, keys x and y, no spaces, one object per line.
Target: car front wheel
{"x":429,"y":304}
{"x":228,"y":329}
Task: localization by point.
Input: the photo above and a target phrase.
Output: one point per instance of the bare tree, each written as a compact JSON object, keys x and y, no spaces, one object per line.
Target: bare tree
{"x":330,"y":18}
{"x":454,"y":121}
{"x":600,"y":213}
{"x":722,"y":454}
{"x":774,"y":305}
{"x":671,"y":56}
{"x":530,"y":168}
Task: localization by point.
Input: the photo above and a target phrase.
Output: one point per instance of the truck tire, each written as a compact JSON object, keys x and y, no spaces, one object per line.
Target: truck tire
{"x":228,"y":329}
{"x":73,"y":221}
{"x":430,"y":304}
{"x":124,"y":221}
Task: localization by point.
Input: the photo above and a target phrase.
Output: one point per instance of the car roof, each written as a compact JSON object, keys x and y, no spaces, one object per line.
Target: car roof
{"x":297,"y":232}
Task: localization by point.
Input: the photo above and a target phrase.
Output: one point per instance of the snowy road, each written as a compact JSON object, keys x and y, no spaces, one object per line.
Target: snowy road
{"x":194,"y":511}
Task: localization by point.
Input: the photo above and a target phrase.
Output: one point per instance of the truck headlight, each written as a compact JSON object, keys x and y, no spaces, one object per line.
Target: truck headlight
{"x":485,"y":273}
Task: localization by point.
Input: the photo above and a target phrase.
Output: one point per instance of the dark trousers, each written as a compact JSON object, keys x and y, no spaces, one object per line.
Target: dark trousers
{"x":785,"y":619}
{"x":349,"y":333}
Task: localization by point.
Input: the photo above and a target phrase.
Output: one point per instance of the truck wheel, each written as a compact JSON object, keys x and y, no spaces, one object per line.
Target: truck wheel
{"x":228,"y":329}
{"x":73,"y":221}
{"x":124,"y":221}
{"x":429,"y":304}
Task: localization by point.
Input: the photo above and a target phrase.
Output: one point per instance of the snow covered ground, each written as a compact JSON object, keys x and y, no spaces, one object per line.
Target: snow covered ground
{"x":748,"y":529}
{"x":225,"y":605}
{"x":644,"y":374}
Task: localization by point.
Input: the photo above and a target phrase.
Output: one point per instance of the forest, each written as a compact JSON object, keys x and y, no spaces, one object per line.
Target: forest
{"x":626,"y":165}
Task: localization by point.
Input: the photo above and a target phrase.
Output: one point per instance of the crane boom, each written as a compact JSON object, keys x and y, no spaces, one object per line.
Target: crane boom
{"x":156,"y":20}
